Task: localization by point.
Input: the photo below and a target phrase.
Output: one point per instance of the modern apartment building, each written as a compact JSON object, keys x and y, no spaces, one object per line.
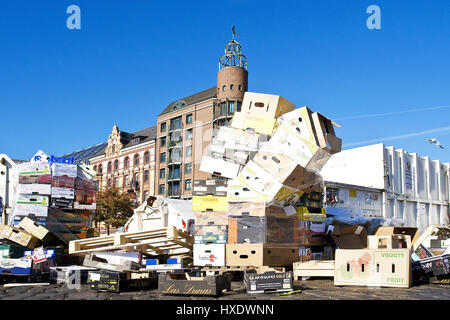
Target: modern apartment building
{"x":186,"y":126}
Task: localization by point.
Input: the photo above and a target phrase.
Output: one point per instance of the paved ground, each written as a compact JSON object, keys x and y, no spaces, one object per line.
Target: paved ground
{"x":317,"y":289}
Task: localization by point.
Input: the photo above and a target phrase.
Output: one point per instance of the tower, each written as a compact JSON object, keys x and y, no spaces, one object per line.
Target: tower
{"x":232,"y":82}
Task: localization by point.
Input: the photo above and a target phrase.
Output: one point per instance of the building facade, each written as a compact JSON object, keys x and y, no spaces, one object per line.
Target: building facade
{"x":186,"y":126}
{"x":127,"y":162}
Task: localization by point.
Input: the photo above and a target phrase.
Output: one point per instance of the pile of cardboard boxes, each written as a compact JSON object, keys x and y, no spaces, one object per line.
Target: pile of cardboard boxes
{"x":265,"y":203}
{"x":55,"y":202}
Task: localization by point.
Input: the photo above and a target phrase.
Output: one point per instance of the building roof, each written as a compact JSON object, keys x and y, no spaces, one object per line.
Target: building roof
{"x":195,"y":98}
{"x":131,"y":139}
{"x":86,"y":153}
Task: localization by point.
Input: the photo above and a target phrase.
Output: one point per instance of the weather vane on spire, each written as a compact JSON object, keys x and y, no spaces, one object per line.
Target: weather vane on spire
{"x":234,"y":32}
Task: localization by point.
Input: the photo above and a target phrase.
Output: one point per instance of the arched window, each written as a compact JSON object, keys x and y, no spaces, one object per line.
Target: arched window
{"x":95,"y":168}
{"x":136,"y":159}
{"x":116,"y":164}
{"x":146,"y":157}
{"x":100,"y":169}
{"x":126,"y":162}
{"x":109,"y":166}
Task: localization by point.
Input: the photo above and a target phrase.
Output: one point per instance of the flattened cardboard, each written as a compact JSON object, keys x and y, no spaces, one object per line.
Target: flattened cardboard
{"x":209,"y":203}
{"x":260,"y":255}
{"x":209,"y":255}
{"x":367,"y":267}
{"x":219,"y":167}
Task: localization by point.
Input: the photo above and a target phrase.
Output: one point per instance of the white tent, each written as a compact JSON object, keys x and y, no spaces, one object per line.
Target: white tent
{"x":163,"y":213}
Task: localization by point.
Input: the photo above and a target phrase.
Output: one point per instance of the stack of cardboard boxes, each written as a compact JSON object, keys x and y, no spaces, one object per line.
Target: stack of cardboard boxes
{"x":57,"y":194}
{"x":267,"y":200}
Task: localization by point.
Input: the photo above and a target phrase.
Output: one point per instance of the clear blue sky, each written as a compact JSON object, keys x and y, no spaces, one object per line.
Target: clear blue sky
{"x":62,"y":90}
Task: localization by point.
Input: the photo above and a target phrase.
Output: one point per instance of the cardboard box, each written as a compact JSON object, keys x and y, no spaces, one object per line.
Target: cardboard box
{"x":82,"y":184}
{"x":268,"y":282}
{"x":304,"y":214}
{"x":219,"y":167}
{"x":218,"y":150}
{"x":91,"y":260}
{"x":63,"y":169}
{"x":299,"y":122}
{"x":209,"y":255}
{"x":183,"y":284}
{"x":259,"y":124}
{"x":39,"y":179}
{"x":205,"y":218}
{"x":260,"y":255}
{"x":256,"y":209}
{"x":19,"y":236}
{"x":34,"y":188}
{"x":112,"y":281}
{"x":115,"y":257}
{"x":300,"y":150}
{"x":63,"y":182}
{"x":210,"y":234}
{"x":16,"y":266}
{"x":314,"y":268}
{"x":35,"y":200}
{"x":61,"y":203}
{"x":389,"y":242}
{"x":37,"y":230}
{"x":411,"y":231}
{"x":325,"y":135}
{"x":24,"y":210}
{"x":63,"y":193}
{"x":210,"y":187}
{"x":367,"y":267}
{"x":311,"y":200}
{"x":237,"y":139}
{"x":248,"y":229}
{"x":354,"y":237}
{"x":239,"y":192}
{"x":276,"y":164}
{"x":33,"y":169}
{"x":259,"y":111}
{"x":209,"y":203}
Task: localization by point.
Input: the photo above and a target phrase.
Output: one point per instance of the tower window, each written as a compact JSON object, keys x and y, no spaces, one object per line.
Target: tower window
{"x":231,"y":86}
{"x":240,"y":87}
{"x":223,"y":88}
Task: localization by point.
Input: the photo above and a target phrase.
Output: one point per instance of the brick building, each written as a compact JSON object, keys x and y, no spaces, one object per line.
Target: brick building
{"x":186,"y":126}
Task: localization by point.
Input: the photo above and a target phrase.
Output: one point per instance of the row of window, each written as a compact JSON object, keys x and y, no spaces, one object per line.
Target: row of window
{"x":126,"y":180}
{"x":163,"y":140}
{"x":176,"y":123}
{"x":176,"y":156}
{"x":230,"y":109}
{"x":175,"y":191}
{"x":224,"y":87}
{"x":126,"y":163}
{"x":176,"y":171}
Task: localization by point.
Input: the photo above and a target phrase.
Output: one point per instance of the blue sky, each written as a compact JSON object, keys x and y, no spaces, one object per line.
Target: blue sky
{"x":62,"y":90}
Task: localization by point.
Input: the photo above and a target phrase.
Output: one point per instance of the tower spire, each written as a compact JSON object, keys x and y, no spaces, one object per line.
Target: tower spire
{"x":233,"y":54}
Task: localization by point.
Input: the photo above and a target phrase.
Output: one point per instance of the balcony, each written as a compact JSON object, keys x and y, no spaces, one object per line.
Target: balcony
{"x":175,"y":126}
{"x":176,"y":144}
{"x":173,"y":160}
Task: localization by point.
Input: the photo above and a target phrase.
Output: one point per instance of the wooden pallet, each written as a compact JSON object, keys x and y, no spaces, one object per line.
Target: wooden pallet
{"x":313,"y":268}
{"x":165,"y":241}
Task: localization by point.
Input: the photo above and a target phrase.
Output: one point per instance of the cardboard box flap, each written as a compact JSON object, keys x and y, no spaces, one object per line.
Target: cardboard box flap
{"x":387,"y":231}
{"x":354,"y":237}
